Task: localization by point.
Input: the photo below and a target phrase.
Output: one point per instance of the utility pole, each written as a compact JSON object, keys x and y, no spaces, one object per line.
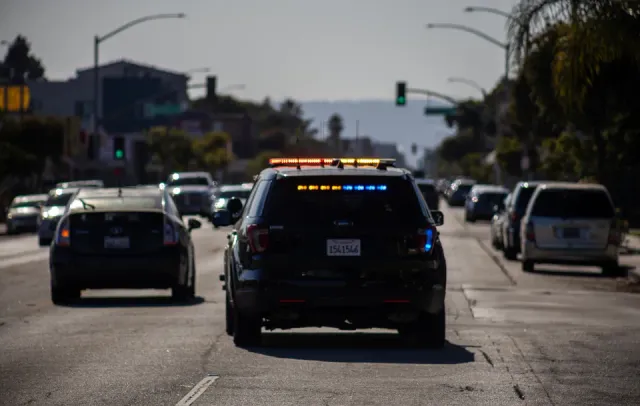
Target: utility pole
{"x":357,"y":134}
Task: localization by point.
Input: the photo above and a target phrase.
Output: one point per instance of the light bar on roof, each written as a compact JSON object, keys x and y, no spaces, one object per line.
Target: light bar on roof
{"x":346,"y":188}
{"x":329,"y":161}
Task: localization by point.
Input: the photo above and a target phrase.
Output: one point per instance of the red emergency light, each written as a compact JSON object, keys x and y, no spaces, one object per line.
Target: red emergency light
{"x":330,"y":161}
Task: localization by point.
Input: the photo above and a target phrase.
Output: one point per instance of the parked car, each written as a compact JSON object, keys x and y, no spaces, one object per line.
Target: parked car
{"x":496,"y":223}
{"x":482,"y":200}
{"x":457,"y":193}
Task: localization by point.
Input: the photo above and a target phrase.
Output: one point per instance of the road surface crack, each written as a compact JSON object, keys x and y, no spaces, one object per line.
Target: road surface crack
{"x":528,"y":364}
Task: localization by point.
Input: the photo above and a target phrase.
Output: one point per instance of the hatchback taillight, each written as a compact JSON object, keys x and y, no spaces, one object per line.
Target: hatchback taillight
{"x":530,"y":233}
{"x":169,"y":233}
{"x":63,"y":238}
{"x":258,"y":237}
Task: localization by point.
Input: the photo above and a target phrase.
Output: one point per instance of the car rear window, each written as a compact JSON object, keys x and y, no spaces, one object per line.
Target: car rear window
{"x":188,"y":181}
{"x":492,"y":197}
{"x":523,"y":197}
{"x":573,"y":204}
{"x":362,"y":200}
{"x":240,"y":194}
{"x":117,"y":203}
{"x":427,"y":188}
{"x":464,"y":188}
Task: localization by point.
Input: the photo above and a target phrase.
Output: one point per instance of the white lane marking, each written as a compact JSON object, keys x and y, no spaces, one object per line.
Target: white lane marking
{"x":21,"y":260}
{"x":197,"y":390}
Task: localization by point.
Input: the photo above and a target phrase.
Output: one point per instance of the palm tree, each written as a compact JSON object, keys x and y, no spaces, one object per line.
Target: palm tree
{"x":335,"y":127}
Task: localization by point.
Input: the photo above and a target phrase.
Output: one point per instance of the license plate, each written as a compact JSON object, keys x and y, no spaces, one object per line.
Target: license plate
{"x":343,"y":248}
{"x":571,"y":232}
{"x":116,"y":242}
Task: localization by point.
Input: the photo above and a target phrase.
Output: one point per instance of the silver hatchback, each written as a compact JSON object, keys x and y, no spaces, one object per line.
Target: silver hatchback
{"x":572,"y":224}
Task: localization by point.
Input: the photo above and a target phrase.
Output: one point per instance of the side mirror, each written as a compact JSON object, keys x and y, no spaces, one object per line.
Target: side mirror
{"x":193,"y":224}
{"x":438,"y":217}
{"x":234,"y":207}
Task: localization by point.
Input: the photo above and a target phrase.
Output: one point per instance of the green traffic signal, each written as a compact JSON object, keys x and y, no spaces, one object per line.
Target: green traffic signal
{"x":401,"y":101}
{"x":401,"y":93}
{"x":119,"y":154}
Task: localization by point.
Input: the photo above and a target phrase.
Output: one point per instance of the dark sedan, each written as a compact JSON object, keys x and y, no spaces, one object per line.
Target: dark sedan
{"x":129,"y":238}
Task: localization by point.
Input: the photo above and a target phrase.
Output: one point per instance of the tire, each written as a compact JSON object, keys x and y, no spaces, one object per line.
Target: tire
{"x":183,"y":293}
{"x":44,"y":242}
{"x":528,"y":266}
{"x":612,"y":269}
{"x":61,"y":295}
{"x":470,"y":219}
{"x":510,"y":253}
{"x":429,"y":331}
{"x":228,"y":315}
{"x":246,"y":329}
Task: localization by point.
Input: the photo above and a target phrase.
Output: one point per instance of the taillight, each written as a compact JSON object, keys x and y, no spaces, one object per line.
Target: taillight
{"x":424,"y":239}
{"x":169,"y":232}
{"x":63,"y":238}
{"x":258,"y":237}
{"x":530,"y":233}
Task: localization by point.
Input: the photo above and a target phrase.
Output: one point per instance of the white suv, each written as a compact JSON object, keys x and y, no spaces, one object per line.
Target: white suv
{"x":570,"y":223}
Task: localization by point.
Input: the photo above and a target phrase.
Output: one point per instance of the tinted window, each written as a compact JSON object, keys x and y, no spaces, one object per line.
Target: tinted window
{"x":241,"y":194}
{"x":427,"y":189}
{"x":492,"y":198}
{"x":573,"y":204}
{"x":189,"y":182}
{"x":523,"y":198}
{"x":118,"y":203}
{"x":58,"y":200}
{"x":397,"y":205}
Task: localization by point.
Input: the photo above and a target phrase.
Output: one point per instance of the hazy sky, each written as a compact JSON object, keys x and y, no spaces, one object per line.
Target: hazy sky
{"x":304,"y":49}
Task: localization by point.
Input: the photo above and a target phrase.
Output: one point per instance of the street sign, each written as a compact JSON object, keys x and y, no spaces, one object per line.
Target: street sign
{"x":154,"y":110}
{"x":439,"y":111}
{"x":15,"y":98}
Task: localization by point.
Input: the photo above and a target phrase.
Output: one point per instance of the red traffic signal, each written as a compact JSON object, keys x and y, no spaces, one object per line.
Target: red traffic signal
{"x":118,"y":171}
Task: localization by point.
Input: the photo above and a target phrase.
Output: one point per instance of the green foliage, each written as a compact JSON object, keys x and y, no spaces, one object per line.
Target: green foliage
{"x":212,"y":151}
{"x":473,"y":166}
{"x":171,"y":147}
{"x":260,"y":162}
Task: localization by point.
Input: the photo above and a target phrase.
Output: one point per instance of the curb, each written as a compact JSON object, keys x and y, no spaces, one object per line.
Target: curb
{"x":497,"y":261}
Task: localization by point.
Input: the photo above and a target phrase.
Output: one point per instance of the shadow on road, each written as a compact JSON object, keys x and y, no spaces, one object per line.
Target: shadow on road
{"x":356,"y":347}
{"x":132,"y":301}
{"x":624,"y":271}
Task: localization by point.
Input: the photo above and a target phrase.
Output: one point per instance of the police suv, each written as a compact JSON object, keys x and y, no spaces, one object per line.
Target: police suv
{"x":345,"y":243}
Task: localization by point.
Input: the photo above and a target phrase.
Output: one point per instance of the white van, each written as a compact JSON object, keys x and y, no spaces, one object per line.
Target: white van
{"x":572,"y":224}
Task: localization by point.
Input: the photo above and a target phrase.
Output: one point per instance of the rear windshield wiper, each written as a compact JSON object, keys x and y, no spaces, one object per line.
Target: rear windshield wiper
{"x":86,"y":205}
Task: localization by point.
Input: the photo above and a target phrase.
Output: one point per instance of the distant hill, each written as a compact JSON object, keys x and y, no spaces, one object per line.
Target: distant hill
{"x":382,"y":121}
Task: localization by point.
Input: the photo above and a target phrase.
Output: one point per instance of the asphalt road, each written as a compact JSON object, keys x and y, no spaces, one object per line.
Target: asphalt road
{"x":513,"y":339}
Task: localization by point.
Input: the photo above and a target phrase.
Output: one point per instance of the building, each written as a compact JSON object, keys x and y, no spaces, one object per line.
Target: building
{"x":389,"y":150}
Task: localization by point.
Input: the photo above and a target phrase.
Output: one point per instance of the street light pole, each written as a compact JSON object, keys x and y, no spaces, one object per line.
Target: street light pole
{"x":97,"y":40}
{"x":497,"y":43}
{"x":469,"y":82}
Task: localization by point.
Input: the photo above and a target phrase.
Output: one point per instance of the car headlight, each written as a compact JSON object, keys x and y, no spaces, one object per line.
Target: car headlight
{"x":220,"y":203}
{"x":10,"y":216}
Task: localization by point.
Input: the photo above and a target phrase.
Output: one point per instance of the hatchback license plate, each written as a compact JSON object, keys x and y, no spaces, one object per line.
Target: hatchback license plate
{"x":571,"y":233}
{"x":343,"y":248}
{"x":116,"y":242}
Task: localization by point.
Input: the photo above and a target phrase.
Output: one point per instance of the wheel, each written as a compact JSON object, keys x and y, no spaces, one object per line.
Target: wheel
{"x":228,"y":314}
{"x":44,"y":242}
{"x":510,"y":253}
{"x":246,"y":329}
{"x":612,"y":269}
{"x":63,"y":295}
{"x":470,"y":219}
{"x":528,"y":266}
{"x":182,"y":293}
{"x":429,"y":331}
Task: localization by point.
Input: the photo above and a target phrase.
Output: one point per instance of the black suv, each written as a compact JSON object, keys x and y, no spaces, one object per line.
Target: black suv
{"x":333,"y":243}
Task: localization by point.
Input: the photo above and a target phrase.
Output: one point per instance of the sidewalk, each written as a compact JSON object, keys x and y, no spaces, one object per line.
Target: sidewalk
{"x":631,"y":248}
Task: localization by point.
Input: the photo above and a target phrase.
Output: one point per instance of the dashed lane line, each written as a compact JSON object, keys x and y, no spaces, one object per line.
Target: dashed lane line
{"x":197,"y":390}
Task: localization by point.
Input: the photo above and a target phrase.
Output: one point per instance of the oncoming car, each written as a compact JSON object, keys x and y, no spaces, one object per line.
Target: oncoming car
{"x":23,"y":213}
{"x":122,"y":239}
{"x":345,"y":243}
{"x":53,"y":208}
{"x":81,"y":183}
{"x":224,"y":194}
{"x":192,"y":192}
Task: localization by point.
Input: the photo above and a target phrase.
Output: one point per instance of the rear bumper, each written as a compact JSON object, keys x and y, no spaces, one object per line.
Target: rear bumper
{"x":203,"y":208}
{"x":47,"y":228}
{"x":480,"y":214}
{"x":220,"y":217}
{"x":22,"y":223}
{"x":596,"y":257}
{"x":160,"y":270}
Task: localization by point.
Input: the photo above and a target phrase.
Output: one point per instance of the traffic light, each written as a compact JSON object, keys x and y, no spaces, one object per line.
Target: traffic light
{"x":211,"y":88}
{"x":414,"y":149}
{"x":118,"y":149}
{"x":401,"y":93}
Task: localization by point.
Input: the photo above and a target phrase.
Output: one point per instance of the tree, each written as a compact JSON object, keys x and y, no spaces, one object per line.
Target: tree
{"x":260,"y":162}
{"x":211,"y":151}
{"x":335,"y":126}
{"x":173,"y":148}
{"x":20,"y":64}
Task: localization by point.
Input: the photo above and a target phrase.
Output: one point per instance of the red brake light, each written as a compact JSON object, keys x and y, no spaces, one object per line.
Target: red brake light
{"x":258,"y":237}
{"x":530,"y":233}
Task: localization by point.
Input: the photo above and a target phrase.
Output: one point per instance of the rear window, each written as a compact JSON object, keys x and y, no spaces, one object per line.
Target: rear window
{"x":523,"y":198}
{"x":427,"y":188}
{"x":362,"y":200}
{"x":464,"y":188}
{"x":189,"y":181}
{"x":58,"y":200}
{"x":573,"y":204}
{"x":492,"y":197}
{"x":240,"y":194}
{"x":117,"y":203}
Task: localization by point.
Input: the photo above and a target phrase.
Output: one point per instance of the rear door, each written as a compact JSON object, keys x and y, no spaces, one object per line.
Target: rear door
{"x":341,"y":222}
{"x":572,"y":218}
